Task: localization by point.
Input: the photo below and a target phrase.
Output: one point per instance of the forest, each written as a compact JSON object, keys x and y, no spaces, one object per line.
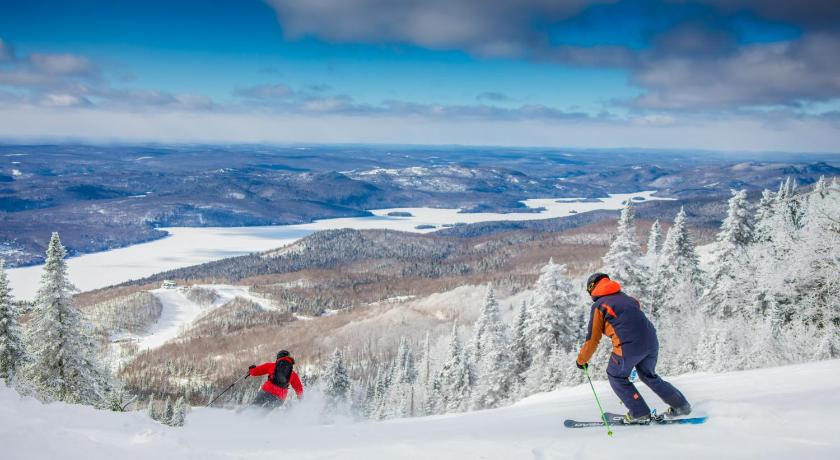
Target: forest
{"x":764,"y":297}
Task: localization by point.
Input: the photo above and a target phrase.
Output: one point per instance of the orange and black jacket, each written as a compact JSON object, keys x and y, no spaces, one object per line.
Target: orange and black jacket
{"x":619,"y":317}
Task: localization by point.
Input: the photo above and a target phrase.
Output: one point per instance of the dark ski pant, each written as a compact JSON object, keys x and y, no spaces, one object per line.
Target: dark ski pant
{"x":619,"y":371}
{"x":267,"y":400}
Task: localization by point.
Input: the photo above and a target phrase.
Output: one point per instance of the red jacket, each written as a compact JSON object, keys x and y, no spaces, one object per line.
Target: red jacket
{"x":268,"y":387}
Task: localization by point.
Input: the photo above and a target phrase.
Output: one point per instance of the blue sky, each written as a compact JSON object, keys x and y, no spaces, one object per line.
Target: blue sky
{"x":734,"y":74}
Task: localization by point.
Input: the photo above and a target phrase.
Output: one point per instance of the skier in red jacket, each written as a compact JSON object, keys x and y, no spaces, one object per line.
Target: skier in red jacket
{"x":280,"y":375}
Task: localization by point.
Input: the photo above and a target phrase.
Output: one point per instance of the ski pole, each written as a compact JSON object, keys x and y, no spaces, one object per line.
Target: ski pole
{"x":228,"y":388}
{"x":597,"y":401}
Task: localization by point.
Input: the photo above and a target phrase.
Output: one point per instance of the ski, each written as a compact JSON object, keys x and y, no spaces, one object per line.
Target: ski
{"x":618,"y":419}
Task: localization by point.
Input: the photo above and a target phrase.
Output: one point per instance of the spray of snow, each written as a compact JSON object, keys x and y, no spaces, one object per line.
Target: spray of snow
{"x":776,"y":413}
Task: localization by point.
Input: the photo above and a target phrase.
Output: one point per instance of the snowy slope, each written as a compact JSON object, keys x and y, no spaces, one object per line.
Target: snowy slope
{"x":179,"y":311}
{"x":774,"y":413}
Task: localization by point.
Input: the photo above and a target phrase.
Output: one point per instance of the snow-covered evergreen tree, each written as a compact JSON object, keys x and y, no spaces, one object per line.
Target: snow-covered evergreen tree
{"x":623,"y":259}
{"x":405,"y":363}
{"x":679,"y":255}
{"x":426,"y":365}
{"x":336,"y":383}
{"x":679,"y":273}
{"x":491,"y":357}
{"x":11,"y":343}
{"x":400,"y":400}
{"x":554,"y":319}
{"x":553,"y":376}
{"x":725,"y":292}
{"x":520,"y":348}
{"x":763,"y":216}
{"x":382,"y":408}
{"x":377,"y":389}
{"x":487,"y":327}
{"x":654,"y":244}
{"x":811,"y":270}
{"x":821,"y":187}
{"x":179,"y":412}
{"x":787,"y":219}
{"x":451,"y":385}
{"x":62,"y":356}
{"x":168,"y":412}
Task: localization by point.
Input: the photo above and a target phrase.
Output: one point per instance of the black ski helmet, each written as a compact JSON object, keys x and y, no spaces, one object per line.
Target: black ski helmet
{"x":593,"y":281}
{"x":282,"y":354}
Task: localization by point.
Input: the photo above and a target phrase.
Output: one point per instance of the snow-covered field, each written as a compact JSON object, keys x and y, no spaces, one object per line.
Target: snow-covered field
{"x":777,"y":413}
{"x":190,"y":246}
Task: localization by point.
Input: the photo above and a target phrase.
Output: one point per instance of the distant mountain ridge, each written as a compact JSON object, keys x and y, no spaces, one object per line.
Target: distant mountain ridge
{"x":104,"y":197}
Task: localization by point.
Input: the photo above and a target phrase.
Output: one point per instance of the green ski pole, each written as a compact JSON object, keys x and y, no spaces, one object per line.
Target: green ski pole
{"x":597,"y":401}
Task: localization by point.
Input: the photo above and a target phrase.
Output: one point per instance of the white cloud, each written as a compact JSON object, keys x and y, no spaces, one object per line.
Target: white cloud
{"x":62,"y":64}
{"x":63,"y":100}
{"x":486,"y":27}
{"x":268,"y":91}
{"x":785,"y":73}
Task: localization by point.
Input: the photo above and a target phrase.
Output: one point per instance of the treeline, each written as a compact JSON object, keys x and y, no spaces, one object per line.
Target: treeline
{"x":768,"y":297}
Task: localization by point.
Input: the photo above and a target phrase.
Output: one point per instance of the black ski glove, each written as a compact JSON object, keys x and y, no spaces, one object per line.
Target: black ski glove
{"x":581,"y":366}
{"x":252,"y":366}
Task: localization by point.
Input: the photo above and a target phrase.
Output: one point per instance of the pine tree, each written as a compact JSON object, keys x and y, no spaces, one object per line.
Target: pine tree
{"x":11,"y":344}
{"x":821,"y":187}
{"x":553,"y":377}
{"x":451,"y":386}
{"x":405,"y":362}
{"x":179,"y":412}
{"x":377,"y":390}
{"x":426,"y":366}
{"x":811,"y":270}
{"x":63,"y":364}
{"x":168,"y":412}
{"x":622,"y":260}
{"x":491,"y":357}
{"x":553,"y":319}
{"x":652,"y":261}
{"x":336,"y":383}
{"x":763,"y":216}
{"x":520,"y":350}
{"x":679,"y":266}
{"x":384,"y":389}
{"x":725,"y":291}
{"x":399,"y":399}
{"x":486,"y":328}
{"x":787,"y":219}
{"x":654,"y":245}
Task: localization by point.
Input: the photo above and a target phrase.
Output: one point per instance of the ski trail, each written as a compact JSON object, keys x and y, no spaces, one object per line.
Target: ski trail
{"x":177,"y":312}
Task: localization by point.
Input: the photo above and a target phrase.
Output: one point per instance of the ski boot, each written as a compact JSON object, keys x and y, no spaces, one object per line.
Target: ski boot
{"x":630,"y":420}
{"x":674,"y":412}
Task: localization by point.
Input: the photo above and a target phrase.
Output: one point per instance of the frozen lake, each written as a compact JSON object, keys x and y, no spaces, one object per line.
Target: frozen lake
{"x":187,"y":246}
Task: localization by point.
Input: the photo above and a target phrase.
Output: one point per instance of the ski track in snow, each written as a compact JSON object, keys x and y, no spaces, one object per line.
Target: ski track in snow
{"x":776,"y":413}
{"x":179,"y":311}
